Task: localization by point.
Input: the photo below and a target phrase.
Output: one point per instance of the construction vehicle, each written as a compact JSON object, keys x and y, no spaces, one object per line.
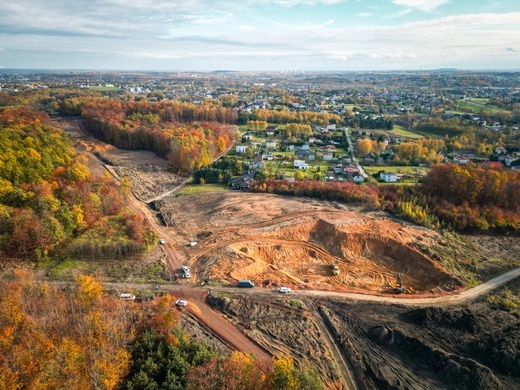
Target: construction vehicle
{"x":400,"y":289}
{"x":335,"y":268}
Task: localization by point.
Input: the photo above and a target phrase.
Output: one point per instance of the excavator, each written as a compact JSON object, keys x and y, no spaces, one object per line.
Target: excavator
{"x":399,"y":289}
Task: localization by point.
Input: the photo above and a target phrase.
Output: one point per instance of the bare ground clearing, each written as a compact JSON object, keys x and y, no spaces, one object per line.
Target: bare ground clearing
{"x":292,"y":241}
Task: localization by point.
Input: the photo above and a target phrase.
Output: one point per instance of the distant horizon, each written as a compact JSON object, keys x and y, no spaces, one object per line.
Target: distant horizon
{"x":259,"y":35}
{"x":294,"y":71}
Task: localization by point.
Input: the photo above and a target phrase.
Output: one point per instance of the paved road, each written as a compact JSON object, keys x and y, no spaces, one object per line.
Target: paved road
{"x":351,"y":153}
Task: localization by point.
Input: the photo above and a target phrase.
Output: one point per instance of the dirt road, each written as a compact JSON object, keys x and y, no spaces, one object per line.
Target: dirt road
{"x":219,"y":325}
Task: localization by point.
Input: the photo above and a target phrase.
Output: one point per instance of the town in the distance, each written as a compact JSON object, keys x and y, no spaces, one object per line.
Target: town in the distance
{"x":260,"y":230}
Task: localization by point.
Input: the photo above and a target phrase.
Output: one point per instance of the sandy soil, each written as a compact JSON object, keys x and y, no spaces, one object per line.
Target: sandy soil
{"x":275,"y":240}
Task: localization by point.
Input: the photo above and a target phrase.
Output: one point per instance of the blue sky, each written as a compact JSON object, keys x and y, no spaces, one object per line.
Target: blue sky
{"x":260,"y":34}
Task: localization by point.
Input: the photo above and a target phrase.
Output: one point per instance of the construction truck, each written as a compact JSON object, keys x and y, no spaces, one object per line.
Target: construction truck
{"x":399,"y":289}
{"x":334,"y":267}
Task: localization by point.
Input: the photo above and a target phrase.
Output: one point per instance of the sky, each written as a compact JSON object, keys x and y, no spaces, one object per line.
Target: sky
{"x":260,"y":35}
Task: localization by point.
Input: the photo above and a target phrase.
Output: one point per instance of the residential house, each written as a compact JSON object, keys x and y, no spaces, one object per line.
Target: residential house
{"x":509,"y":159}
{"x":357,"y":178}
{"x":240,"y":183}
{"x":351,"y":170}
{"x":300,"y":164}
{"x":500,"y":150}
{"x":302,"y":153}
{"x":327,"y":156}
{"x":338,"y":169}
{"x":241,"y":148}
{"x":460,"y":160}
{"x":388,"y":177}
{"x":266,"y":156}
{"x":347,"y":159}
{"x":305,"y":146}
{"x":270,"y":130}
{"x":270,"y":144}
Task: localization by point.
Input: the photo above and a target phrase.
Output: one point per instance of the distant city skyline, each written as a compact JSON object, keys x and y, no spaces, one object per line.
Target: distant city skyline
{"x":260,"y":35}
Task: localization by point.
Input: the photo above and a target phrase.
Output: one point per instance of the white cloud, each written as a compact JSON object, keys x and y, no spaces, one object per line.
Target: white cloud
{"x":422,"y":5}
{"x":248,"y":28}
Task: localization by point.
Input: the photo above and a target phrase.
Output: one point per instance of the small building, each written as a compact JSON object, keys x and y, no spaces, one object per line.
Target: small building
{"x":300,"y":164}
{"x":327,"y":156}
{"x":240,"y":183}
{"x":241,"y":149}
{"x":357,"y":178}
{"x":270,"y":144}
{"x":338,"y":169}
{"x":388,"y":177}
{"x":460,"y":160}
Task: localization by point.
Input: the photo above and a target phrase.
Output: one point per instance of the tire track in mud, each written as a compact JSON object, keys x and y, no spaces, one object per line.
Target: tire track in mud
{"x":344,"y":368}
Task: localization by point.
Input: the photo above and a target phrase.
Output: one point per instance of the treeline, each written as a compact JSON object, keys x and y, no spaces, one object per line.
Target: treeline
{"x":362,"y":122}
{"x":335,"y":191}
{"x":465,"y":198}
{"x":297,"y":130}
{"x":426,"y":151}
{"x":307,"y":117}
{"x":81,"y":338}
{"x":450,"y":128}
{"x":47,"y":195}
{"x":220,"y":171}
{"x":164,"y":128}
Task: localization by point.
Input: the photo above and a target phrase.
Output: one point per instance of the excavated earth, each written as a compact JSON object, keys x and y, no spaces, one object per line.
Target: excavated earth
{"x":472,"y":346}
{"x":276,"y":240}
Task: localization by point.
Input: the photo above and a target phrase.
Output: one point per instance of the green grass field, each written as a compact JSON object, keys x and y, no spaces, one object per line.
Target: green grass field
{"x":105,"y":89}
{"x":193,"y":189}
{"x":395,"y":168}
{"x":478,"y":104}
{"x":406,"y":133}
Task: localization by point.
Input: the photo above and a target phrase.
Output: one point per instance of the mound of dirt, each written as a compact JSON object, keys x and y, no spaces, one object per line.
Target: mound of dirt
{"x":294,"y":242}
{"x":462,"y":319}
{"x":500,"y":349}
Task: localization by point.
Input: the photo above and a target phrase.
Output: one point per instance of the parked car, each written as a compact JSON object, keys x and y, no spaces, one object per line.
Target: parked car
{"x":187,"y":275}
{"x":285,"y":290}
{"x":185,"y":268}
{"x":127,"y":297}
{"x":181,"y":302}
{"x":245,"y":283}
{"x":162,"y":241}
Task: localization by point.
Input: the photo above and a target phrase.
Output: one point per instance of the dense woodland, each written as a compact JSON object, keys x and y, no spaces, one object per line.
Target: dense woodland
{"x":48,"y":196}
{"x":189,"y":136}
{"x":464,"y":198}
{"x":337,"y":191}
{"x":81,"y":338}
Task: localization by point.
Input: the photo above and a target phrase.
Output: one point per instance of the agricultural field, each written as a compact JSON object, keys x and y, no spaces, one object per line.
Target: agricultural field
{"x":403,"y":132}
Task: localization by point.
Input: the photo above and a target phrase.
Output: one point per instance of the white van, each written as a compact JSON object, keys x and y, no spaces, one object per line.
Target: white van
{"x":127,"y":297}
